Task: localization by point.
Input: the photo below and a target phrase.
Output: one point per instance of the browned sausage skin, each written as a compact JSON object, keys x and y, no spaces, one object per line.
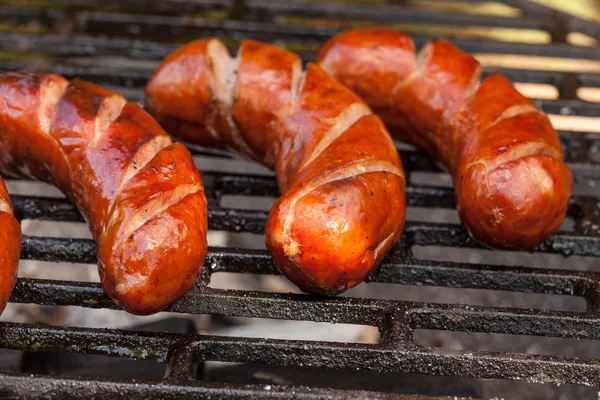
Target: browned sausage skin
{"x":10,"y":247}
{"x":512,"y":186}
{"x":343,"y":201}
{"x":140,"y":193}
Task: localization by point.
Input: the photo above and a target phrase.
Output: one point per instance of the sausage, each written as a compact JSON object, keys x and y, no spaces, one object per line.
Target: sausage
{"x":342,"y":205}
{"x":140,"y":194}
{"x":10,"y":247}
{"x":512,"y":186}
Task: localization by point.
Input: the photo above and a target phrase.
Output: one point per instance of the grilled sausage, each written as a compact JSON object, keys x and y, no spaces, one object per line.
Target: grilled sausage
{"x":140,"y":193}
{"x":512,"y":186}
{"x":10,"y":247}
{"x":342,"y":205}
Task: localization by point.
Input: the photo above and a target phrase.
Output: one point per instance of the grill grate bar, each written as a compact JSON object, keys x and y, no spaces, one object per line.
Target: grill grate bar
{"x":531,"y":368}
{"x":584,"y":241}
{"x":164,"y":6}
{"x":180,"y":363}
{"x":155,"y":27}
{"x":511,"y":322}
{"x":394,"y":269}
{"x":262,"y":9}
{"x":59,"y":249}
{"x":347,"y":310}
{"x":568,"y":107}
{"x":267,"y":10}
{"x":565,"y":243}
{"x":405,"y":358}
{"x":46,"y":18}
{"x":65,"y":388}
{"x":571,"y":22}
{"x":214,"y":301}
{"x":82,"y":45}
{"x":117,"y":343}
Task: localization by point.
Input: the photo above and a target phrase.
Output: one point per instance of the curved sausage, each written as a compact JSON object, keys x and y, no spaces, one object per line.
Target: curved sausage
{"x":10,"y":247}
{"x":140,"y":193}
{"x":512,"y":186}
{"x":342,"y":205}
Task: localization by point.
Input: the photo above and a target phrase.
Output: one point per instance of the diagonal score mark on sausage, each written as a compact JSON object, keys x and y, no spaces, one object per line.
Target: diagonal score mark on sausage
{"x":52,"y":91}
{"x":222,"y":82}
{"x":138,"y":162}
{"x":341,"y":178}
{"x":521,"y":150}
{"x":518,"y":151}
{"x":109,"y":111}
{"x":344,"y":121}
{"x":5,"y":207}
{"x":422,"y":58}
{"x":51,"y":94}
{"x":512,"y":112}
{"x":332,"y":176}
{"x":123,"y":173}
{"x":156,"y":206}
{"x":144,"y":155}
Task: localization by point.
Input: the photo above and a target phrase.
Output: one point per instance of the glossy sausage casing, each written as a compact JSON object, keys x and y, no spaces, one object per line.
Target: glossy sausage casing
{"x":342,"y":205}
{"x":10,"y":247}
{"x":140,"y":193}
{"x":512,"y":186}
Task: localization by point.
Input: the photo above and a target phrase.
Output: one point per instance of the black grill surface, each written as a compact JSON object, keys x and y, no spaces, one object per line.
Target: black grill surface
{"x":73,"y":37}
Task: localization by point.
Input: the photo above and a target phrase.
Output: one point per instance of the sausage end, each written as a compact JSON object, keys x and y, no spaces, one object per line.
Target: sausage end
{"x":10,"y":250}
{"x":518,"y":204}
{"x":159,"y":262}
{"x":339,"y":232}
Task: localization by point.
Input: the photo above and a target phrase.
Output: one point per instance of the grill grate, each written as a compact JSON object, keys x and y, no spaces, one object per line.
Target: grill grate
{"x":70,"y":33}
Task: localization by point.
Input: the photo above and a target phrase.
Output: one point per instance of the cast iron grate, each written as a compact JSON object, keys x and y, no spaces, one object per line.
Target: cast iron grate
{"x":65,"y":33}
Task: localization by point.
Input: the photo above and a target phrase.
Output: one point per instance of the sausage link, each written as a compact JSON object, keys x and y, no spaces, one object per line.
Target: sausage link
{"x":10,"y":247}
{"x":140,"y":194}
{"x":512,"y":186}
{"x":342,"y":205}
